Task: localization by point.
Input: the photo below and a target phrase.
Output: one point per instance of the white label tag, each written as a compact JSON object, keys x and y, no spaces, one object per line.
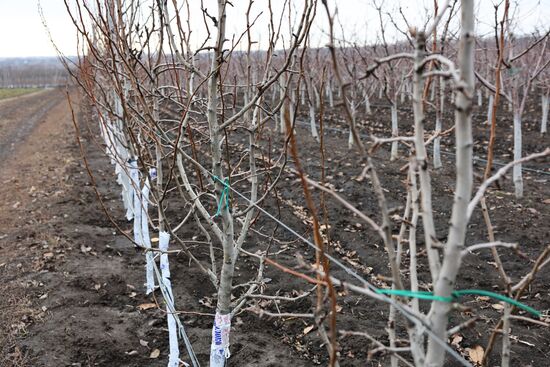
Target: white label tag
{"x":220,"y":340}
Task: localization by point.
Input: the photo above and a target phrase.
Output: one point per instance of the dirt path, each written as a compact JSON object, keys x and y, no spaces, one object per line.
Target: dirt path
{"x":57,"y":272}
{"x":72,"y":289}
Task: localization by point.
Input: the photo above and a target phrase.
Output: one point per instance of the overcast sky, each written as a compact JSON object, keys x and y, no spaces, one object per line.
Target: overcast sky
{"x":22,"y":32}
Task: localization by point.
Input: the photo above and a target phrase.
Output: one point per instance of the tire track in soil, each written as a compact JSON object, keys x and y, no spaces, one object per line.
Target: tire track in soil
{"x":19,"y":116}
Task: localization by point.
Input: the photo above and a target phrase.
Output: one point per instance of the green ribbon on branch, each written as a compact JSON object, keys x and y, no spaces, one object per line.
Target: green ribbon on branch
{"x":457,"y":294}
{"x":225,"y":195}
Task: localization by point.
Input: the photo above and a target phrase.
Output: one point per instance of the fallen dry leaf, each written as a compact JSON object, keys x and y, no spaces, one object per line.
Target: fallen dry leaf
{"x":533,"y":211}
{"x":457,"y":338}
{"x":497,"y":306}
{"x":155,"y":354}
{"x":476,"y":354}
{"x":146,"y":306}
{"x":308,"y":329}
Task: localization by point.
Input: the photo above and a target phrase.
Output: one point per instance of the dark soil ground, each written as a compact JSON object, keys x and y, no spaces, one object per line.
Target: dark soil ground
{"x":72,"y":287}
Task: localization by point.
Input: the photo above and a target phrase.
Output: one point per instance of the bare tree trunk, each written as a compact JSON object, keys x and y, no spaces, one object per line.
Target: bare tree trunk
{"x":222,"y":323}
{"x":422,"y":158}
{"x":506,"y":336}
{"x":415,"y":335}
{"x":438,"y":316}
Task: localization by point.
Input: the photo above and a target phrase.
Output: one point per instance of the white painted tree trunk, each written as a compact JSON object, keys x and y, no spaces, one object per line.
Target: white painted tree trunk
{"x":292,"y":106}
{"x":544,"y":120}
{"x":490,"y":109}
{"x":330,"y":96}
{"x":219,"y":351}
{"x":505,"y":362}
{"x":246,"y":116}
{"x":350,"y":138}
{"x":317,"y":97}
{"x":438,"y":125}
{"x":311,"y":101}
{"x":422,"y":158}
{"x":312,"y":122}
{"x":394,"y":132}
{"x":517,"y":176}
{"x":274,"y":93}
{"x":368,"y":110}
{"x":437,"y":143}
{"x":282,"y":126}
{"x":438,"y":316}
{"x":192,"y":76}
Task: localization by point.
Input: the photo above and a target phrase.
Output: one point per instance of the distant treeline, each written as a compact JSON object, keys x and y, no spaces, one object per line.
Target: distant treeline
{"x":32,"y":72}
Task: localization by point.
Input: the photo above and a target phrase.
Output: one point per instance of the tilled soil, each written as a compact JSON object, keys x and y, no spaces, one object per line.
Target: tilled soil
{"x":73,"y":287}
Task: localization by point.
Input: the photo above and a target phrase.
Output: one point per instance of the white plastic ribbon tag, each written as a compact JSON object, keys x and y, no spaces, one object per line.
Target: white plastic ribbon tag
{"x":141,"y":223}
{"x":127,"y":192}
{"x":173,"y":358}
{"x":146,"y":239}
{"x":220,"y":340}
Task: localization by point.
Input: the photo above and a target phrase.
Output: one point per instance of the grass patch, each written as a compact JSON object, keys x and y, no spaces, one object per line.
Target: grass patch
{"x":15,"y":92}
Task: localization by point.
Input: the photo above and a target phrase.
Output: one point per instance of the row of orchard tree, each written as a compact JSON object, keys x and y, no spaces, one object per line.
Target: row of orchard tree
{"x":170,"y":80}
{"x":32,"y":72}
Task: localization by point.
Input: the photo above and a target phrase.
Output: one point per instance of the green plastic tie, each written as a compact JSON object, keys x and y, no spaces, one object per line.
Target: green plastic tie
{"x":225,"y":195}
{"x":457,"y":294}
